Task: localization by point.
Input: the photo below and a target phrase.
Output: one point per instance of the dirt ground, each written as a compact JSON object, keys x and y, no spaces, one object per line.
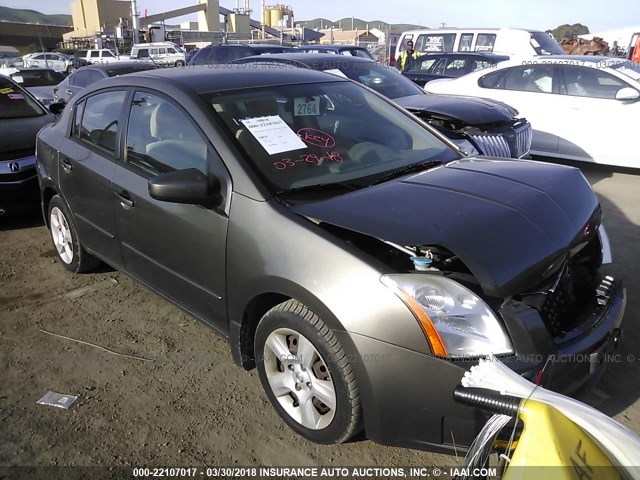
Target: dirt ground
{"x":179,"y":400}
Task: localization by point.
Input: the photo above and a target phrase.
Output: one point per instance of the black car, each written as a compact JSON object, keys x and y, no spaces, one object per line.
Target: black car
{"x":432,"y":66}
{"x":21,"y":116}
{"x":222,"y":54}
{"x":349,"y":50}
{"x":81,"y":78}
{"x":477,"y":126}
{"x":359,"y":261}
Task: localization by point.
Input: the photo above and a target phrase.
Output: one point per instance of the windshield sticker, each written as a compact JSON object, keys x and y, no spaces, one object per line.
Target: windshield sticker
{"x":306,"y":106}
{"x":316,"y":138}
{"x":274,"y":134}
{"x":4,"y":91}
{"x":309,"y":159}
{"x":17,"y":78}
{"x":337,"y":72}
{"x":15,"y":96}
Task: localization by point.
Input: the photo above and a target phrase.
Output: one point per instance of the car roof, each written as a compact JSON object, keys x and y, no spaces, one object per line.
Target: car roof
{"x":309,"y":59}
{"x":203,"y":78}
{"x":490,"y":56}
{"x":255,"y":46}
{"x":332,"y":47}
{"x":116,"y":66}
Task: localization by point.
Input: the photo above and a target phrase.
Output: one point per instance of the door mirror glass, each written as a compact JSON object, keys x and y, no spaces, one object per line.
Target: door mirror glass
{"x":627,"y":93}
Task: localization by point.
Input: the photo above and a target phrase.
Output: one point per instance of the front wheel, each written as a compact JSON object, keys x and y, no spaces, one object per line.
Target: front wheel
{"x":70,"y":251}
{"x":306,"y":374}
{"x":179,"y":63}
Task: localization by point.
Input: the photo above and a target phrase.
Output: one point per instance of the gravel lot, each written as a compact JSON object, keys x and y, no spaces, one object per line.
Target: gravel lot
{"x":179,"y":400}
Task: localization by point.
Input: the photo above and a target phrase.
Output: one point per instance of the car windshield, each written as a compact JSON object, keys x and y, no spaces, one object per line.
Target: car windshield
{"x":543,"y":44}
{"x":324,"y":134}
{"x":15,"y":103}
{"x":37,"y":78}
{"x":387,"y":81}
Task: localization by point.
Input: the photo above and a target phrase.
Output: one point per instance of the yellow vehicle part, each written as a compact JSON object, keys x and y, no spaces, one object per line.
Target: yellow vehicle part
{"x":552,"y":447}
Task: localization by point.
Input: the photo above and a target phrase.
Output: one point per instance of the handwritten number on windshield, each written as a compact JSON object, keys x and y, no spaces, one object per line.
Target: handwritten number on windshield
{"x":309,"y":159}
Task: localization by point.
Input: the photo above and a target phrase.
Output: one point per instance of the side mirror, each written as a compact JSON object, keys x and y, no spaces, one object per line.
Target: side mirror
{"x":189,"y":186}
{"x":56,"y":108}
{"x":627,"y":93}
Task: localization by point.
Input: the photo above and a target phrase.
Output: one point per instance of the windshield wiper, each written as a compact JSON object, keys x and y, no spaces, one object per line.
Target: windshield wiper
{"x":414,"y":167}
{"x":322,"y":187}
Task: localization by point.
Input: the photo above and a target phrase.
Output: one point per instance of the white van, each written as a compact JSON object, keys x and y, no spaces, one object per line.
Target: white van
{"x":167,"y":54}
{"x":508,"y":41}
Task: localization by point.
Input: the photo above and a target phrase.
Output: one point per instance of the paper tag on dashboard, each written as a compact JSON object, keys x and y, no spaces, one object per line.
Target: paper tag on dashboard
{"x":273,"y":134}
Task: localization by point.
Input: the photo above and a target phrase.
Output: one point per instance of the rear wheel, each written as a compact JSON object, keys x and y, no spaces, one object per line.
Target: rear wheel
{"x":306,"y":374}
{"x":179,"y":63}
{"x":70,"y":251}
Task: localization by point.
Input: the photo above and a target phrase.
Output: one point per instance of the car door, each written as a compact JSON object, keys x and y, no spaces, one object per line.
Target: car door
{"x":177,"y":249}
{"x":592,"y":114}
{"x":532,"y":90}
{"x":87,"y":159}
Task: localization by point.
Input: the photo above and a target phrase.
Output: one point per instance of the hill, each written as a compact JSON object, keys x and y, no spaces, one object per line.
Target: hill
{"x":20,"y":15}
{"x":347,"y":22}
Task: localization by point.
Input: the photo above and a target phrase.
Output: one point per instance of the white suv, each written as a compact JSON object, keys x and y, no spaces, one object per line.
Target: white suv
{"x":167,"y":54}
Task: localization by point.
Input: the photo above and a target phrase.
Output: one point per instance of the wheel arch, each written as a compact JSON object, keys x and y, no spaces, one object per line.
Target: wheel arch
{"x":244,"y":319}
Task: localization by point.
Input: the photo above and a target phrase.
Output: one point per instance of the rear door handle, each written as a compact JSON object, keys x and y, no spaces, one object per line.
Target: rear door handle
{"x":125,"y":199}
{"x":69,"y":92}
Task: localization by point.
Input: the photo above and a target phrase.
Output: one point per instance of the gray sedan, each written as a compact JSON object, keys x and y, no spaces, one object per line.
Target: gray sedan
{"x":343,"y":247}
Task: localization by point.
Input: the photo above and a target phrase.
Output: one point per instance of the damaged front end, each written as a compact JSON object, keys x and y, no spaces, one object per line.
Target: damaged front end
{"x":508,"y":139}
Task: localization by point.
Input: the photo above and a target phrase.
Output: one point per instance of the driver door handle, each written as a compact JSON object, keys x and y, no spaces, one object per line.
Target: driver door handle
{"x":125,"y":199}
{"x":66,"y":163}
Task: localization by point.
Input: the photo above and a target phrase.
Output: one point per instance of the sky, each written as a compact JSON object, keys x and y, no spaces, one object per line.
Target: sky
{"x":535,"y":14}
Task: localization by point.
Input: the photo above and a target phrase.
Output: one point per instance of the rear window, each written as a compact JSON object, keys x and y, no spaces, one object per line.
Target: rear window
{"x":37,"y":78}
{"x":384,"y":80}
{"x":15,"y":103}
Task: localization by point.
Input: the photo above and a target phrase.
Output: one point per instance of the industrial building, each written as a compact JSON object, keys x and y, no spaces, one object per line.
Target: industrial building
{"x":120,"y":22}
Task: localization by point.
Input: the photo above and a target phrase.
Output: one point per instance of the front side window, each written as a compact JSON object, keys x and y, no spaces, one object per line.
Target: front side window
{"x":77,"y":119}
{"x":108,"y":53}
{"x":143,"y":53}
{"x":456,"y":68}
{"x":591,"y":82}
{"x":100,"y":121}
{"x":161,"y":138}
{"x":95,"y":54}
{"x":298,"y":136}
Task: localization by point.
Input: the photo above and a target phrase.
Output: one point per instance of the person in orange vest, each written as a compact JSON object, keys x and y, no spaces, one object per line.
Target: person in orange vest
{"x":407,"y":57}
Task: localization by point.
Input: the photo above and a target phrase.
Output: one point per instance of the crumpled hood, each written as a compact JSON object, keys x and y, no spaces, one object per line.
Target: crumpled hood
{"x":471,"y":110}
{"x":506,"y":220}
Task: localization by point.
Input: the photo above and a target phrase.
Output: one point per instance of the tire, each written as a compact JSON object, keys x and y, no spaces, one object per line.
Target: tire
{"x":313,"y":390}
{"x":179,"y":63}
{"x":64,"y":235}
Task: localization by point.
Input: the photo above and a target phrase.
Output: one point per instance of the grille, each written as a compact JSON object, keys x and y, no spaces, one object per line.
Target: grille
{"x":503,"y":144}
{"x":492,"y":144}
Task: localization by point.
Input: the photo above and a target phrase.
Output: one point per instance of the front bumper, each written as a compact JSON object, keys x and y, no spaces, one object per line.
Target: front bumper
{"x":407,"y":396}
{"x":19,"y":191}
